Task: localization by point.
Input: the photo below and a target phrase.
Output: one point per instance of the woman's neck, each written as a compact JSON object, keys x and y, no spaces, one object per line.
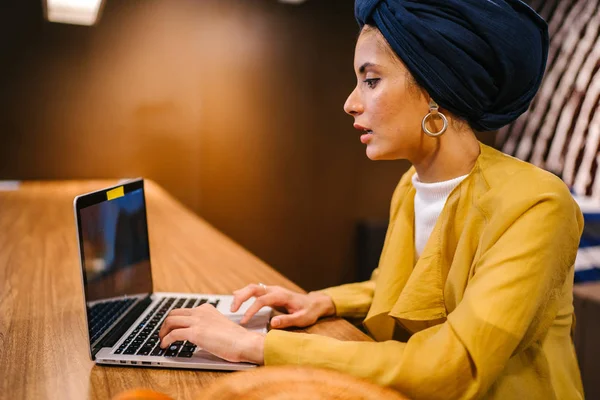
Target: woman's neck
{"x":452,"y":155}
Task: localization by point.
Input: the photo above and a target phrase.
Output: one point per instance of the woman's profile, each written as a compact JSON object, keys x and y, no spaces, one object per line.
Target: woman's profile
{"x":472,"y":297}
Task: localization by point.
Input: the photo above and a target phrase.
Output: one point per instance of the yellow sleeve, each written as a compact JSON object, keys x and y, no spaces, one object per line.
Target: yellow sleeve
{"x":352,"y":299}
{"x":507,"y":306}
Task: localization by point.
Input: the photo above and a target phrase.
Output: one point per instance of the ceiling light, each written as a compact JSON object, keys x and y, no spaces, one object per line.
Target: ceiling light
{"x":78,"y":12}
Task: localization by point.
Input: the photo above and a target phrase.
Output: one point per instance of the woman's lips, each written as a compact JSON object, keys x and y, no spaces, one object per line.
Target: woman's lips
{"x":365,"y":138}
{"x":360,"y":127}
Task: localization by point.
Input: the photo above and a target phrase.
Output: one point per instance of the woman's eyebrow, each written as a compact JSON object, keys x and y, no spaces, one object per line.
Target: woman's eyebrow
{"x":365,"y":66}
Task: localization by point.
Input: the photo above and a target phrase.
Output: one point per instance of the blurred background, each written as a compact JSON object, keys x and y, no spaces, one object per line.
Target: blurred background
{"x":233,"y":106}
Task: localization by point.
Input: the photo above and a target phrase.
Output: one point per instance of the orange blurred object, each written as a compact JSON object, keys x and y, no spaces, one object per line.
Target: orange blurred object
{"x":295,"y":383}
{"x":141,"y":394}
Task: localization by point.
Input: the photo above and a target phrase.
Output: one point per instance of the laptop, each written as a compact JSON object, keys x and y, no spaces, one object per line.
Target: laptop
{"x":123,"y":313}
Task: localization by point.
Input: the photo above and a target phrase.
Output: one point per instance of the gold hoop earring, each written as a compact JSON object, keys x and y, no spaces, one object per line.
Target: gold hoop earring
{"x":433,"y":112}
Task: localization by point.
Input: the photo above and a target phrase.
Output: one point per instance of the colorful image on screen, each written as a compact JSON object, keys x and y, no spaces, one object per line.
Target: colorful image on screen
{"x":115,"y":247}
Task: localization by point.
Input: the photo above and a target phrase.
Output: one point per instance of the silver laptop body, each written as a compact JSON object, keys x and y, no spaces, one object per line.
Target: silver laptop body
{"x":123,"y":313}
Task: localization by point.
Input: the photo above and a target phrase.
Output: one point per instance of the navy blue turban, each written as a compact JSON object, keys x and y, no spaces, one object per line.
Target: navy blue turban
{"x":483,"y":60}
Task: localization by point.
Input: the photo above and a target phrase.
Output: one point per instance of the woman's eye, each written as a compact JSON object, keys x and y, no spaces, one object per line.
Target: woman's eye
{"x":371,"y":82}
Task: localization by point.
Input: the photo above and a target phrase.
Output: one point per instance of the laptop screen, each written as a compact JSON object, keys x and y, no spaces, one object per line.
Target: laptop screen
{"x":114,"y":243}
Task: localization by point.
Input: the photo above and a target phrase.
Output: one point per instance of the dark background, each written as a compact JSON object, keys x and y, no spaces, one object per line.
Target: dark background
{"x":234,"y":106}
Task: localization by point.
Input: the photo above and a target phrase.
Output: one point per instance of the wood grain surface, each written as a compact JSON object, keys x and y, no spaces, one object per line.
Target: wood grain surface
{"x":43,"y":343}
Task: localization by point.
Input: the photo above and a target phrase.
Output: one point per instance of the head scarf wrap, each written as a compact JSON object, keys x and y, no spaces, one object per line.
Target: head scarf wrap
{"x":482,"y":60}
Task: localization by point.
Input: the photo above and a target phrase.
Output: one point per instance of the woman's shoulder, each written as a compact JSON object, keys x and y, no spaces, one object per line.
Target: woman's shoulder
{"x":510,"y":182}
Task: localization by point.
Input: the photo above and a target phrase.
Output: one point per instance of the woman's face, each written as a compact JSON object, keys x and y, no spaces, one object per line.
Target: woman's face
{"x":385,"y":102}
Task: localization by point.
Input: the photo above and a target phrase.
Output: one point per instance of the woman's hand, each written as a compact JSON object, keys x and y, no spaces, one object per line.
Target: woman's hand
{"x":212,"y":331}
{"x":303,"y":309}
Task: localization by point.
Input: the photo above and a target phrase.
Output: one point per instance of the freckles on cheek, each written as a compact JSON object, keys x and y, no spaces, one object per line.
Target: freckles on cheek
{"x":378,"y":108}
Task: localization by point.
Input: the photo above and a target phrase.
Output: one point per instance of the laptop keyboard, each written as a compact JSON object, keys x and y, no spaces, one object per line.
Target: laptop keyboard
{"x":102,"y":315}
{"x":144,"y":340}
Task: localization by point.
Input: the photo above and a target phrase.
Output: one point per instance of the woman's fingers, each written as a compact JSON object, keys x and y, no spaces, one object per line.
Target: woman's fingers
{"x":174,"y":322}
{"x":178,"y":334}
{"x":298,"y":319}
{"x":240,"y":296}
{"x":271,"y":299}
{"x":252,"y":290}
{"x":180,"y":311}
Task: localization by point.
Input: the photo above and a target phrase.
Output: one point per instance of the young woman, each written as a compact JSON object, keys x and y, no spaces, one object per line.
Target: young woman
{"x":473,"y":294}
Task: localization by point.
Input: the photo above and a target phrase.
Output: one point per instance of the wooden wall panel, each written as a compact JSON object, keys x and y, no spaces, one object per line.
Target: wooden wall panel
{"x":234,"y":106}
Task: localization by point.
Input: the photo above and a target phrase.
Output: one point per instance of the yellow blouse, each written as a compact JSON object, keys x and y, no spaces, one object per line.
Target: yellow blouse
{"x":488,"y":305}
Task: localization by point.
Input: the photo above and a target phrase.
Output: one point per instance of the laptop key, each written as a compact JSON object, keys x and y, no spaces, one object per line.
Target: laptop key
{"x":186,"y":354}
{"x":144,"y":351}
{"x":157,"y":351}
{"x":172,"y":350}
{"x":147,"y":346}
{"x":202,"y":301}
{"x":190,"y":303}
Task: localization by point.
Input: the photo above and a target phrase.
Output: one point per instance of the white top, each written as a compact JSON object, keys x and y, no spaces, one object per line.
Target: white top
{"x":429,"y":202}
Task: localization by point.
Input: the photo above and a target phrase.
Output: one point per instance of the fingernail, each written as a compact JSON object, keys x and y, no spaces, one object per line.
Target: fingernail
{"x":275,"y":322}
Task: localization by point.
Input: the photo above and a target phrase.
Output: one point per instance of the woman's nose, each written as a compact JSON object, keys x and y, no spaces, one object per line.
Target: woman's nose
{"x":353,"y":106}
